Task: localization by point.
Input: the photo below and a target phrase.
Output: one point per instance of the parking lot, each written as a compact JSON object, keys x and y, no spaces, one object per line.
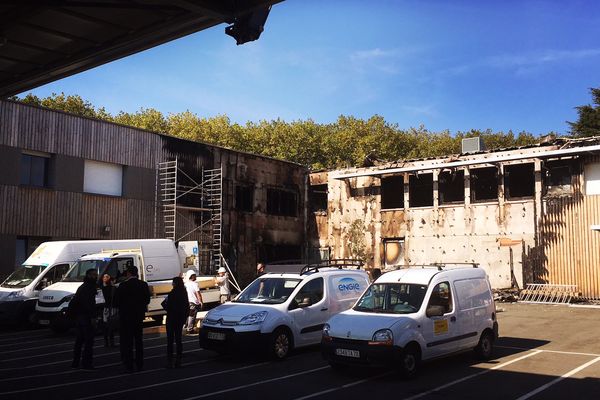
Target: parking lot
{"x":545,"y":352}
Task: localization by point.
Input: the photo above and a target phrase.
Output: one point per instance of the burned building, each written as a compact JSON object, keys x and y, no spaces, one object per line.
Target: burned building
{"x":66,"y":177}
{"x":526,"y":214}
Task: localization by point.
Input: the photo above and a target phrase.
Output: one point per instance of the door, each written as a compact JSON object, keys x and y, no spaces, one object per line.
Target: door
{"x":309,"y":311}
{"x":440,"y":332}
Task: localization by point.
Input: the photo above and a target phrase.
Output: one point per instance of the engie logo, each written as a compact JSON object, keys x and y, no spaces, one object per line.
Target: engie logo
{"x":348,"y":285}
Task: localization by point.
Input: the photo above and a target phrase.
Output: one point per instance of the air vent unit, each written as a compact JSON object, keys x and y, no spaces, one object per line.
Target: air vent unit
{"x":472,"y":145}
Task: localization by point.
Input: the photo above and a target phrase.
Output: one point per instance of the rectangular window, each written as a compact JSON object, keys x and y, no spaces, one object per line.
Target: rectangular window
{"x":451,"y":187}
{"x":519,"y":181}
{"x":393,"y":252}
{"x":244,"y":198}
{"x":484,"y":184}
{"x":103,"y":178}
{"x":421,"y":190}
{"x":282,"y":202}
{"x":392,"y":192}
{"x":34,"y":169}
{"x":558,"y":177}
{"x":318,"y":197}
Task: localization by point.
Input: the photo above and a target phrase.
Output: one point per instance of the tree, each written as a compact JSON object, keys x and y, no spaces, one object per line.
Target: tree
{"x":588,"y":123}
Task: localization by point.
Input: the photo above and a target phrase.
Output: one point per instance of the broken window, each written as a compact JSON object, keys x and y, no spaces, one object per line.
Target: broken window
{"x":282,"y":202}
{"x":421,"y":190}
{"x":484,"y":184}
{"x":451,"y":187}
{"x":557,"y":177}
{"x":392,"y":192}
{"x":318,"y":197}
{"x":519,"y":181}
{"x":393,"y":251}
{"x":244,"y":198}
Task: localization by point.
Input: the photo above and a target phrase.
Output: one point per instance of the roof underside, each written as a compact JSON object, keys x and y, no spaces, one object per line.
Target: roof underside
{"x":42,"y":41}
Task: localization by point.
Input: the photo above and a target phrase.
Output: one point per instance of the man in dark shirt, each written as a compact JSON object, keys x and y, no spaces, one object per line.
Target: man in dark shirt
{"x":132,"y":298}
{"x":82,"y":309}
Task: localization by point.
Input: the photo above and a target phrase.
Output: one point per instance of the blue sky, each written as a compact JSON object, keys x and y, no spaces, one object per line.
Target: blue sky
{"x":456,"y":65}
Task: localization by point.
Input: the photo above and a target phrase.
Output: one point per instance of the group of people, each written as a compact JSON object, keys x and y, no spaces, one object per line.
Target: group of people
{"x":126,"y":305}
{"x":130,"y":300}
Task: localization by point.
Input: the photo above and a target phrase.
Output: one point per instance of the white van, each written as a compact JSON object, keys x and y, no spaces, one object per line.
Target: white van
{"x":46,"y":265}
{"x":412,"y":315}
{"x":157,"y":261}
{"x":281,"y":311}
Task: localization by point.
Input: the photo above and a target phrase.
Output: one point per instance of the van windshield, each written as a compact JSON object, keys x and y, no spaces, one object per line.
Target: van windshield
{"x":77,"y":272}
{"x":268,"y":291}
{"x":392,"y":298}
{"x":23,"y":276}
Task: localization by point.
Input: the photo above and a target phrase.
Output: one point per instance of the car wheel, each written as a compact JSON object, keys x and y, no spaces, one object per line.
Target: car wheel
{"x":485,"y":347}
{"x":281,"y":344}
{"x":410,"y":361}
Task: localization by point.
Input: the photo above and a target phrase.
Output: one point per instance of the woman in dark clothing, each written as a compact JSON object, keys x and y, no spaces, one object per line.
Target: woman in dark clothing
{"x":82,"y":309}
{"x":109,"y":313}
{"x":177,"y":312}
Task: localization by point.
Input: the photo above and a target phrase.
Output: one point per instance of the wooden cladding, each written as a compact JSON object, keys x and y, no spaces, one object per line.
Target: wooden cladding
{"x":43,"y":212}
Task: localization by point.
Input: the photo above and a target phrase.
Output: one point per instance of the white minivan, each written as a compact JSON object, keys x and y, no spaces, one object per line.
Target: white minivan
{"x":412,"y":315}
{"x":281,"y":311}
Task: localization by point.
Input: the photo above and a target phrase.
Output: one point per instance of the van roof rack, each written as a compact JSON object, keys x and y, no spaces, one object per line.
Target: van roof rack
{"x":440,"y":266}
{"x":339,"y":263}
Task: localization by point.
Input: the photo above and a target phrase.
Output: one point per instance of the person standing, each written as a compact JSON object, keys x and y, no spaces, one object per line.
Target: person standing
{"x":132,"y":298}
{"x":82,"y":309}
{"x":177,"y":312}
{"x":194,"y":299}
{"x":109,"y":313}
{"x":223,"y":283}
{"x":260,"y":269}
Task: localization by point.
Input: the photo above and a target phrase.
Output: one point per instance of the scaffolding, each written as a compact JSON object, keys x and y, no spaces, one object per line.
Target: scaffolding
{"x":172,"y":185}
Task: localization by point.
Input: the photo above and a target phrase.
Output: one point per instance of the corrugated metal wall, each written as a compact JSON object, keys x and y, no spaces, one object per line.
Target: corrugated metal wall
{"x":569,"y":245}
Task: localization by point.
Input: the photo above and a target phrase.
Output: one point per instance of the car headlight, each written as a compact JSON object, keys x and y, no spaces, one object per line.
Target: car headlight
{"x":67,"y":299}
{"x":383,"y":337}
{"x":255,"y":318}
{"x":325,"y":333}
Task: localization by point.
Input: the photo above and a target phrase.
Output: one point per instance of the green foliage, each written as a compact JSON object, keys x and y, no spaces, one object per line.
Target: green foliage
{"x":347,"y":142}
{"x":356,"y":240}
{"x":588,"y":123}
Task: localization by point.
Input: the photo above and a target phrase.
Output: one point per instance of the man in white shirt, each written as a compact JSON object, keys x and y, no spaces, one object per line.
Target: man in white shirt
{"x":223,"y":283}
{"x":194,"y":298}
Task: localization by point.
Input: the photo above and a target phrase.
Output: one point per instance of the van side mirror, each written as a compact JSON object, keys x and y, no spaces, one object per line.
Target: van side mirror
{"x":42,"y":285}
{"x":434,"y":311}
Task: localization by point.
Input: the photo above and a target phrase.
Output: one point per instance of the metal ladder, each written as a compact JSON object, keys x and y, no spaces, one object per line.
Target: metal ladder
{"x":213,"y":186}
{"x":167,"y":177}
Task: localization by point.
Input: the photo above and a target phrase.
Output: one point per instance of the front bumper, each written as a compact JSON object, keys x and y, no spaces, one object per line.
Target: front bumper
{"x":227,"y":340}
{"x":374,"y":355}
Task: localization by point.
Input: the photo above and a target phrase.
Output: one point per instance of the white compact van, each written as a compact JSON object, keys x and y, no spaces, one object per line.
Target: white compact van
{"x":47,"y":265}
{"x":281,"y":311}
{"x":415,"y":314}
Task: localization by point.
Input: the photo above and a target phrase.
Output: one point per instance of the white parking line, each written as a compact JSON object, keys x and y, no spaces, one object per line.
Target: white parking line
{"x":533,"y":353}
{"x":344,"y":386}
{"x":103,"y":378}
{"x":74,"y":371}
{"x":257,"y":383}
{"x":550,"y":351}
{"x":58,"y":352}
{"x":133,"y":389}
{"x":27,"y":342}
{"x":65,"y":361}
{"x":560,"y":378}
{"x":16,"y":335}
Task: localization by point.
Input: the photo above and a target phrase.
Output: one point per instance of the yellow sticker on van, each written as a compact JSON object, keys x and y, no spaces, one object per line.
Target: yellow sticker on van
{"x":440,"y":326}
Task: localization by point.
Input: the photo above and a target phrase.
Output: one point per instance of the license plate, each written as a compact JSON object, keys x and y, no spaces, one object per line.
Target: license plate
{"x":44,"y":322}
{"x":347,"y":353}
{"x":215,"y":335}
